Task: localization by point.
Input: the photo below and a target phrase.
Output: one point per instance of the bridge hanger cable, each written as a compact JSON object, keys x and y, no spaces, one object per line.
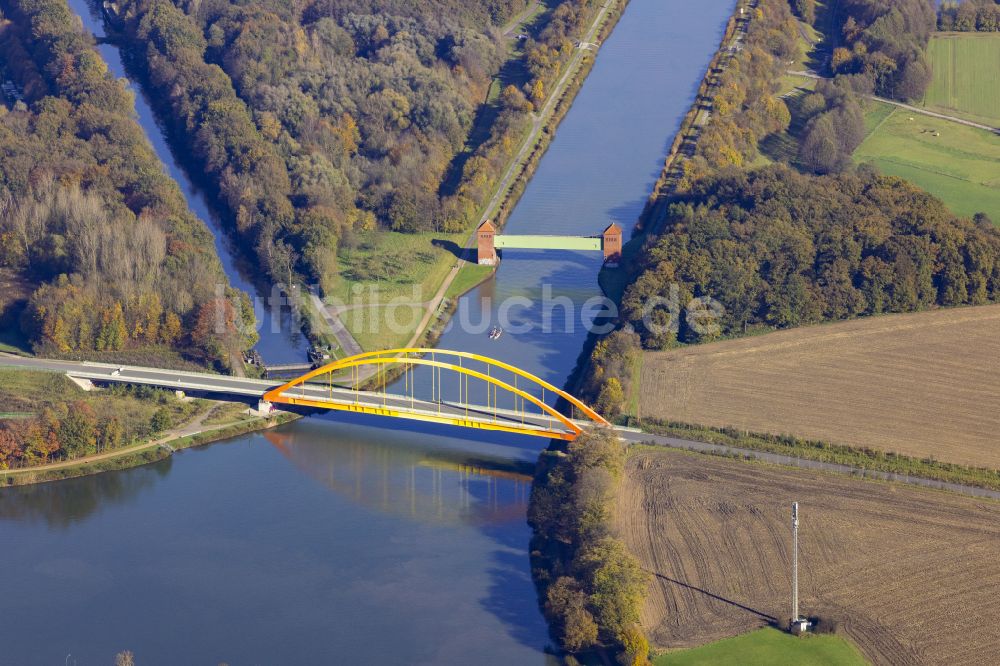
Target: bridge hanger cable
{"x":459,"y":414}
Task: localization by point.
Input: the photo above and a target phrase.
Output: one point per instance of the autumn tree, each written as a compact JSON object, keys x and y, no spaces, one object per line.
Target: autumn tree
{"x":11,"y":449}
{"x":111,"y":434}
{"x":77,"y":430}
{"x":113,"y":332}
{"x":611,"y":399}
{"x":566,"y":603}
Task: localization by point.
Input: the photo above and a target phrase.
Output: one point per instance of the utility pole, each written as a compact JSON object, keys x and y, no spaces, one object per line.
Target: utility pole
{"x":795,"y":562}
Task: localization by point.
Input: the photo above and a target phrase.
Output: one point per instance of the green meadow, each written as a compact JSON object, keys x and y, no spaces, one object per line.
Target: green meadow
{"x":768,"y":647}
{"x":958,"y":164}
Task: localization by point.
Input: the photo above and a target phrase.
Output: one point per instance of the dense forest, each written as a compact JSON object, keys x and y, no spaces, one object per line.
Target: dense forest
{"x":782,"y":249}
{"x":89,"y":223}
{"x":318,"y":119}
{"x":970,"y":16}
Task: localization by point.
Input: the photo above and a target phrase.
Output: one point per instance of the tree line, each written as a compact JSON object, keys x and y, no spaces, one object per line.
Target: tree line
{"x":592,"y":586}
{"x":779,"y":249}
{"x":834,"y":126}
{"x":88,"y":217}
{"x":969,"y":16}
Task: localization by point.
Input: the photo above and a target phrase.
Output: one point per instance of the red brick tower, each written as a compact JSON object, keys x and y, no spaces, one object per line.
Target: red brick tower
{"x":612,"y":244}
{"x":487,"y":251}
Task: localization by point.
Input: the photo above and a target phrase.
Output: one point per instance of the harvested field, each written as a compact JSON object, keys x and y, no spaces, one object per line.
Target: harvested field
{"x":902,"y":571}
{"x":924,"y":384}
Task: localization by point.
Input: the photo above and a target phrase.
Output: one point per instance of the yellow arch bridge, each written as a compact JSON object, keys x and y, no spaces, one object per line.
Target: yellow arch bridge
{"x":511,"y":399}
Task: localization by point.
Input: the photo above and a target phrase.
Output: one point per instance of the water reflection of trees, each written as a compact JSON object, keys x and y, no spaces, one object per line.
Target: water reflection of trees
{"x":62,"y":503}
{"x":404,"y":476}
{"x":440,"y":486}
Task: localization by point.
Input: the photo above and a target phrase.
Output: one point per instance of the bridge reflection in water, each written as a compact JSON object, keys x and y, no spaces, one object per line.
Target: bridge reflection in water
{"x":440,"y":485}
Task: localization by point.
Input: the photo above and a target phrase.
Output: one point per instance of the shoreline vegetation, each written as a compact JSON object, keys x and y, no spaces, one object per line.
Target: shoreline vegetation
{"x":55,"y":427}
{"x":590,"y":587}
{"x":140,"y":454}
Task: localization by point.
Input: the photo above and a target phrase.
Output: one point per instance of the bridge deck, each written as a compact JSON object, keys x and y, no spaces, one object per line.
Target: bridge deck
{"x":478,"y":417}
{"x":528,"y":242}
{"x":308,"y":395}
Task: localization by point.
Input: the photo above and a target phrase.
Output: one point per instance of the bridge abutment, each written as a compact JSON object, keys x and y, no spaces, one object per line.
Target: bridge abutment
{"x":486,"y":244}
{"x":611,"y":243}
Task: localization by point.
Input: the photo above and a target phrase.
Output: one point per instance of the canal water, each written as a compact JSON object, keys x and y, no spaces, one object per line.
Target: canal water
{"x":331,"y":540}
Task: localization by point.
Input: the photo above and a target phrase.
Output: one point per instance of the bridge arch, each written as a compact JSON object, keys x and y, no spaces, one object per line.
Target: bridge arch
{"x":458,"y":412}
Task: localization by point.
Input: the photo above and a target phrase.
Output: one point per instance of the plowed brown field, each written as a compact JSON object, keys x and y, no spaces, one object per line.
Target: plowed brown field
{"x":924,"y":384}
{"x":912,"y":576}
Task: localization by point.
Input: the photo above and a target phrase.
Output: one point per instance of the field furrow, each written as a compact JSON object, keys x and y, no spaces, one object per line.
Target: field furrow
{"x":904,"y":572}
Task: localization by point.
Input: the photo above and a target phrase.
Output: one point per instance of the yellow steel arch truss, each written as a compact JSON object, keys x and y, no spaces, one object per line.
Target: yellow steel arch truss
{"x":395,"y":406}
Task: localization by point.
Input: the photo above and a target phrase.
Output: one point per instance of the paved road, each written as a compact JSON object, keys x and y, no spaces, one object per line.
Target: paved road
{"x":778,"y":459}
{"x":515,"y":23}
{"x":348,"y":344}
{"x":224,"y":385}
{"x":908,"y":107}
